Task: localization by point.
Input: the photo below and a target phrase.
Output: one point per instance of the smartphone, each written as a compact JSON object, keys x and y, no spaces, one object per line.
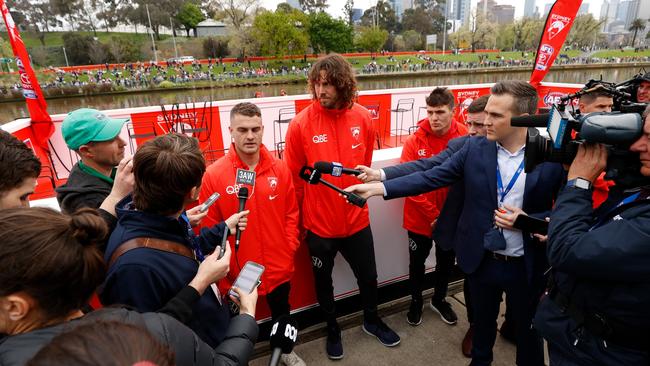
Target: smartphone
{"x":224,"y":242}
{"x":531,"y":224}
{"x":248,"y":278}
{"x":212,"y":199}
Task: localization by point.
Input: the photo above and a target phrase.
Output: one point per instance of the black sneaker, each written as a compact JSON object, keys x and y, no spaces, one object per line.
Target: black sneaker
{"x":334,"y":346}
{"x":382,"y":332}
{"x":447,"y":314}
{"x":414,"y":315}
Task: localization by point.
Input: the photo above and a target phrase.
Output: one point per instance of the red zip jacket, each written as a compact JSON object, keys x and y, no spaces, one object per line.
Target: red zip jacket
{"x":319,"y":134}
{"x":271,"y":237}
{"x":420,"y":211}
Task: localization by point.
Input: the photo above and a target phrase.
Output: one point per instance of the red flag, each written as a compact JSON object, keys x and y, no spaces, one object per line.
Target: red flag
{"x":559,"y":22}
{"x":42,"y":125}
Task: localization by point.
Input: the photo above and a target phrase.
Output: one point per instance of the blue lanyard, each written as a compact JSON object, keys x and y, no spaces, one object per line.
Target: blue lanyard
{"x":513,"y":180}
{"x":192,"y":238}
{"x":625,"y":201}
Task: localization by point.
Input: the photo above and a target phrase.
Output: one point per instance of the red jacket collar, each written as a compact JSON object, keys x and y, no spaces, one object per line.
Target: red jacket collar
{"x":333,"y":112}
{"x":266,"y":159}
{"x":425,"y":129}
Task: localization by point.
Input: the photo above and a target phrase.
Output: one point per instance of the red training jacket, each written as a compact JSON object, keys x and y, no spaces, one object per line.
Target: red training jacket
{"x":319,"y":134}
{"x":420,"y":211}
{"x":271,"y":237}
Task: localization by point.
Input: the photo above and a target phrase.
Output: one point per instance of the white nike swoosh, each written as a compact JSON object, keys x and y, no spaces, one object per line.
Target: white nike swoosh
{"x":357,"y":145}
{"x":271,"y":198}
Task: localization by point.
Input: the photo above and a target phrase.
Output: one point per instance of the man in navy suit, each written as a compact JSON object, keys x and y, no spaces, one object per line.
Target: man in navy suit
{"x":496,"y":256}
{"x":445,"y":228}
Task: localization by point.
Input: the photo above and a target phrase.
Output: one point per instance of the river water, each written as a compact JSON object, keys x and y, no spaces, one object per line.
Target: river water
{"x":14,"y":110}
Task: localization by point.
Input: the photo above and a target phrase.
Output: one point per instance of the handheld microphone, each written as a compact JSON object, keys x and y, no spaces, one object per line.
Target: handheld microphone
{"x":535,"y":120}
{"x":283,"y":337}
{"x":313,"y":176}
{"x":243,"y":196}
{"x":335,"y":169}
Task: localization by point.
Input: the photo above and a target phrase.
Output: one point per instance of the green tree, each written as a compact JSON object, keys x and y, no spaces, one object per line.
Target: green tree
{"x":313,"y":6}
{"x":585,"y":31}
{"x":328,"y":34}
{"x":423,"y":21}
{"x":347,"y":11}
{"x":124,"y":49}
{"x":412,"y":40}
{"x":69,"y":10}
{"x":278,"y":33}
{"x":381,"y":15}
{"x":371,"y":38}
{"x":39,"y":16}
{"x":284,"y":8}
{"x":159,"y":11}
{"x":636,"y":26}
{"x":78,"y":47}
{"x":189,"y":16}
{"x":236,"y":12}
{"x":215,"y":47}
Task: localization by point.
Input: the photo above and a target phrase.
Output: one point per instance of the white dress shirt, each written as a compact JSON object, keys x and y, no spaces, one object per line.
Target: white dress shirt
{"x":508,"y":164}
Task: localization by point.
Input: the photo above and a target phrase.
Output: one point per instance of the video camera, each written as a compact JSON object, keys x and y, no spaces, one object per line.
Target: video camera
{"x":567,"y":129}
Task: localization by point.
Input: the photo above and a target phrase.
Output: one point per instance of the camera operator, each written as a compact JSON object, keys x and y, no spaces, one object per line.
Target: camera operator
{"x":596,"y":311}
{"x":643,"y":90}
{"x":597,"y":101}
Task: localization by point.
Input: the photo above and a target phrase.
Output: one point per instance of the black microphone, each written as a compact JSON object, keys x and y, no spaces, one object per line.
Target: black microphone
{"x":283,"y":337}
{"x":531,"y":120}
{"x":335,"y":169}
{"x":313,"y":176}
{"x":243,"y":196}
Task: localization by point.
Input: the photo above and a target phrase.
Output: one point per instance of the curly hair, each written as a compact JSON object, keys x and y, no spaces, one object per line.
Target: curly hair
{"x":339,"y":73}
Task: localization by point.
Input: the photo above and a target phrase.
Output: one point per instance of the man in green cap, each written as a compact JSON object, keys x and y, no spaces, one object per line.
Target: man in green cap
{"x":95,"y":138}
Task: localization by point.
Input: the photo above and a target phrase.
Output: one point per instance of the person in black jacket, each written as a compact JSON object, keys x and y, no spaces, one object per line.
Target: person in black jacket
{"x":597,"y":310}
{"x":50,"y":268}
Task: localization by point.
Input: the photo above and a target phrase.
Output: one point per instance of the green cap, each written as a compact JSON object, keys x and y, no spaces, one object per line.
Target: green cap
{"x":86,"y":125}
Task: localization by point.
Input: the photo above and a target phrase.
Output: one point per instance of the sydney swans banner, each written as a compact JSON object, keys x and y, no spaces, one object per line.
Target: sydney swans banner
{"x":41,"y":121}
{"x":559,"y":22}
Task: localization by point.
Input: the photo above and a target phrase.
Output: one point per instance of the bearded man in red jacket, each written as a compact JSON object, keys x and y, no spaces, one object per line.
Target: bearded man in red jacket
{"x":335,"y":128}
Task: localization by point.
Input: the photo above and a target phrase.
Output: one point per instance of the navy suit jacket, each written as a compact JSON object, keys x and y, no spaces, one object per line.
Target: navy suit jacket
{"x":475,"y":164}
{"x":445,"y":230}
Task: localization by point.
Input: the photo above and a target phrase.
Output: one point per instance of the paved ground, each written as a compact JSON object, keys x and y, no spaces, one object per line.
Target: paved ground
{"x":431,"y":343}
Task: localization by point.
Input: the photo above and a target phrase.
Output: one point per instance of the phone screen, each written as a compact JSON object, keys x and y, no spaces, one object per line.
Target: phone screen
{"x":248,"y":277}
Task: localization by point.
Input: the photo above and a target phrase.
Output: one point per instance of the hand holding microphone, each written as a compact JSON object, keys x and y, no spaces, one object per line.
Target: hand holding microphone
{"x":313,"y":176}
{"x":284,"y":334}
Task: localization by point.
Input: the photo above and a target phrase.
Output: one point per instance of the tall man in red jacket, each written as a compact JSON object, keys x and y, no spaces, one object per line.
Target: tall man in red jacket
{"x":421,"y":212}
{"x":334,"y":128}
{"x":271,"y":237}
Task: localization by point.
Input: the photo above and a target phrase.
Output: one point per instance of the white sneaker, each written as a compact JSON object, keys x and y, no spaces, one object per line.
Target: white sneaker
{"x":291,"y":359}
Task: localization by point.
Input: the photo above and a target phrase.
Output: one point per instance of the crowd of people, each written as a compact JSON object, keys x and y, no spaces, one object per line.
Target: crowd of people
{"x":139,"y":75}
{"x":126,"y":232}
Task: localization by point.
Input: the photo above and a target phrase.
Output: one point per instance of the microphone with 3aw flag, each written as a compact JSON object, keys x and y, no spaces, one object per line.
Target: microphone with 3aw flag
{"x":243,"y":196}
{"x":283,"y":337}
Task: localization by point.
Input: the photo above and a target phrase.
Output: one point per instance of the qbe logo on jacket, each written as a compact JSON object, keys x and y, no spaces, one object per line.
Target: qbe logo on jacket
{"x":318,"y":139}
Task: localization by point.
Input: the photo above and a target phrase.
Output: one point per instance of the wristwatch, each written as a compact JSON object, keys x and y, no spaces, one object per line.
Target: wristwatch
{"x":579,"y":183}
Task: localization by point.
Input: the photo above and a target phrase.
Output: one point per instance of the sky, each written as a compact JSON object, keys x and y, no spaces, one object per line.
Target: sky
{"x":336,"y":6}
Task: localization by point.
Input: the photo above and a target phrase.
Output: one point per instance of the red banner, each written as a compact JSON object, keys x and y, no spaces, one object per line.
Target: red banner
{"x":559,"y":22}
{"x":41,"y":121}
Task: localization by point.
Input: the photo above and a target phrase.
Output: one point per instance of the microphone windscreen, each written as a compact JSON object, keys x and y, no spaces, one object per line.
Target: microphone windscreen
{"x":324,"y":167}
{"x":284,"y":333}
{"x":243,"y":192}
{"x":536,"y":120}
